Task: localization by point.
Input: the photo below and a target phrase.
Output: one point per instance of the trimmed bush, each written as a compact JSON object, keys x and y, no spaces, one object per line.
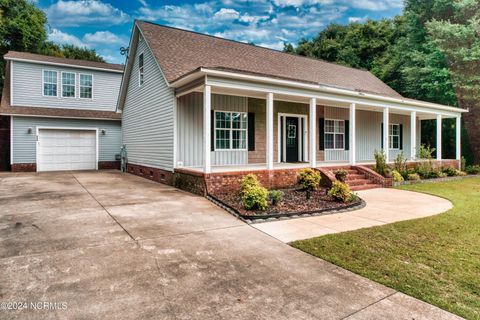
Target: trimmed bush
{"x":397,"y":177}
{"x":473,"y":169}
{"x":308,"y":180}
{"x":276,"y":196}
{"x":341,"y":175}
{"x":340,"y":191}
{"x":460,"y":173}
{"x":387,"y":172}
{"x":413,"y":177}
{"x":451,"y":172}
{"x":250,"y":180}
{"x":380,"y":162}
{"x":255,"y":198}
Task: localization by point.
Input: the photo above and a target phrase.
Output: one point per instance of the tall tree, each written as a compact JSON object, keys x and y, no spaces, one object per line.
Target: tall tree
{"x":457,"y":33}
{"x":70,"y":51}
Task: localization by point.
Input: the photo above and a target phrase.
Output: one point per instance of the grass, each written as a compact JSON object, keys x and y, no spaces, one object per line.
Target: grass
{"x":435,"y":259}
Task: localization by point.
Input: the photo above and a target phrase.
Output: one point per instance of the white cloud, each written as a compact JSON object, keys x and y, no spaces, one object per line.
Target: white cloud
{"x":60,"y":37}
{"x":226,"y":14}
{"x":84,"y":12}
{"x":102,"y":37}
{"x":372,"y":5}
{"x":357,"y":19}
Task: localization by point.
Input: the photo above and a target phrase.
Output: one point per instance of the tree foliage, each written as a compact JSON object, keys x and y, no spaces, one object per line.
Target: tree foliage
{"x":431,"y":52}
{"x":23,"y":28}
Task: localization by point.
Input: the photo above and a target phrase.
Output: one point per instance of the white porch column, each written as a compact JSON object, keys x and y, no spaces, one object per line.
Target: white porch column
{"x":312,"y":131}
{"x":352,"y":134}
{"x":458,"y":129}
{"x":439,"y":137}
{"x":206,"y":129}
{"x":413,"y":135}
{"x":386,"y":134}
{"x":269,"y":145}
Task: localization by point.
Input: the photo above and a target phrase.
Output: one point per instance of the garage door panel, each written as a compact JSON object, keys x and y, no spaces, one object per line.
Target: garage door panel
{"x":60,"y":149}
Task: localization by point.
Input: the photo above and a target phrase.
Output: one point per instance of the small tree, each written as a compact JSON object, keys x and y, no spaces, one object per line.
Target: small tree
{"x":380,"y":162}
{"x":308,"y":180}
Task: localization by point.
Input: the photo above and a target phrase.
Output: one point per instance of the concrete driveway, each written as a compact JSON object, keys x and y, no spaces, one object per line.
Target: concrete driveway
{"x":105,"y":245}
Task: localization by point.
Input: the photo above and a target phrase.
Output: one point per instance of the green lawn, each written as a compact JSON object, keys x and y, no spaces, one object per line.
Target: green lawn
{"x":435,"y":259}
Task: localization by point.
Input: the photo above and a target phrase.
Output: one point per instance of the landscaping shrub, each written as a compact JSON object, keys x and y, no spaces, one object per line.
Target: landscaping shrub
{"x":400,"y":163}
{"x":308,"y":180}
{"x":276,"y":196}
{"x":380,"y":162}
{"x":397,"y":177}
{"x":340,"y":192}
{"x":460,"y":173}
{"x":341,"y":175}
{"x":450,"y":171}
{"x":413,"y":177}
{"x":255,"y":197}
{"x":250,"y":180}
{"x":473,"y":169}
{"x":387,"y":172}
{"x":463,"y":163}
{"x":425,"y":152}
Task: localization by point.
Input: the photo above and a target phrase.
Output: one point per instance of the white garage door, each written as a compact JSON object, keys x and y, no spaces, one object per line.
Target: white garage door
{"x":59,"y":149}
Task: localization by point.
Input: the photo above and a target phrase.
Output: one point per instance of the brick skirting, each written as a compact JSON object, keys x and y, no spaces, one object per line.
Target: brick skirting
{"x":24,"y":167}
{"x":154,"y":174}
{"x":103,"y":165}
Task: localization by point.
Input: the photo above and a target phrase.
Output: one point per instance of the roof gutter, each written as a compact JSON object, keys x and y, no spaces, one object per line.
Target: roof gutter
{"x":311,"y":86}
{"x":64,"y":65}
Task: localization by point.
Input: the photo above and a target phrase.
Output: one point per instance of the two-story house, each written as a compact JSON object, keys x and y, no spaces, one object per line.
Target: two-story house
{"x":61,"y":113}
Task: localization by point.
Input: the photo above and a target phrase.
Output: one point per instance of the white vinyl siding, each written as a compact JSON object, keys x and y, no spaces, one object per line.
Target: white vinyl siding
{"x":50,"y":83}
{"x":28,"y":88}
{"x":147,"y":118}
{"x":24,"y":143}
{"x":86,"y":86}
{"x":68,"y":84}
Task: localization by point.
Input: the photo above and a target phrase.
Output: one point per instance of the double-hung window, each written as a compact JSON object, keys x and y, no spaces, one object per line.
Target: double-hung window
{"x":141,"y":70}
{"x":394,"y":136}
{"x":230,"y":130}
{"x":86,"y":86}
{"x":68,"y":84}
{"x":49,"y":83}
{"x":334,"y":134}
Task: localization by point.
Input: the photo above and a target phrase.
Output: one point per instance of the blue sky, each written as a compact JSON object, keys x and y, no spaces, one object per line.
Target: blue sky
{"x":105,"y":24}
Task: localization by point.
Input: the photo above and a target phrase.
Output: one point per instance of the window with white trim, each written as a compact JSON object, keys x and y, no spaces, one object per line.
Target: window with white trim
{"x":86,"y":86}
{"x":68,"y":84}
{"x":230,"y":130}
{"x":49,"y":83}
{"x":335,"y":134}
{"x":394,"y":136}
{"x":141,"y":70}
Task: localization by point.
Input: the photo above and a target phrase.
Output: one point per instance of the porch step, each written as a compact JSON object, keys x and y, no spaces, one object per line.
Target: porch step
{"x":365,"y":187}
{"x":356,"y":180}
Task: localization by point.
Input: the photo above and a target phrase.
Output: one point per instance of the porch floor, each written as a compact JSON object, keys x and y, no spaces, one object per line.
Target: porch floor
{"x":276,"y":166}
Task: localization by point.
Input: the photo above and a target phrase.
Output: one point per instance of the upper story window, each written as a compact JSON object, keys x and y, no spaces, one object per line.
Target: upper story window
{"x":86,"y":86}
{"x":49,"y":83}
{"x":335,"y":134}
{"x":141,"y":70}
{"x":68,"y":84}
{"x":230,"y":130}
{"x":394,"y":136}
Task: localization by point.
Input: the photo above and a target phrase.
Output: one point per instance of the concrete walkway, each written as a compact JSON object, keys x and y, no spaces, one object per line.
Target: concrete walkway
{"x":116,"y":246}
{"x":383,"y":206}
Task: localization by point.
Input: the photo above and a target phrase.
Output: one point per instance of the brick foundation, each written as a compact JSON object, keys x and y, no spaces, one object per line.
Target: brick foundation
{"x":24,"y":167}
{"x":103,"y":165}
{"x":154,"y":174}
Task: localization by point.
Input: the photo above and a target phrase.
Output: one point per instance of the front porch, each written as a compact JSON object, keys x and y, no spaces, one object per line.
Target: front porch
{"x":253,"y":128}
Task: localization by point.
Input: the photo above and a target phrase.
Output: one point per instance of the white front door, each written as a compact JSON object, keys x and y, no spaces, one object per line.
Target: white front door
{"x":66,"y":149}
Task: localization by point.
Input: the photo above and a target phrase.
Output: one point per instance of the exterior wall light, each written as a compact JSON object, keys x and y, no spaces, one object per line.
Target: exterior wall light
{"x":29,"y":130}
{"x":103,"y":131}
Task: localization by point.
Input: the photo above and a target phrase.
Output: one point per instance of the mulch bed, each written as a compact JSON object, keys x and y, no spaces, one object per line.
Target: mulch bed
{"x":294,"y":202}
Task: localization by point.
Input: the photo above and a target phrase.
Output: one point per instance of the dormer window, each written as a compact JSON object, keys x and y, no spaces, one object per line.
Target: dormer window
{"x":68,"y":84}
{"x":140,"y":69}
{"x":49,"y":83}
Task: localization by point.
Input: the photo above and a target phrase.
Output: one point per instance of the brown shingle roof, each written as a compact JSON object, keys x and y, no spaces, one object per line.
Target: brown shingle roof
{"x":7,"y":109}
{"x":179,"y":52}
{"x":73,"y":62}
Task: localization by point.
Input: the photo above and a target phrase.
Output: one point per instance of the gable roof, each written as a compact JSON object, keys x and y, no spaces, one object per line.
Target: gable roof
{"x":180,"y":52}
{"x":40,"y":58}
